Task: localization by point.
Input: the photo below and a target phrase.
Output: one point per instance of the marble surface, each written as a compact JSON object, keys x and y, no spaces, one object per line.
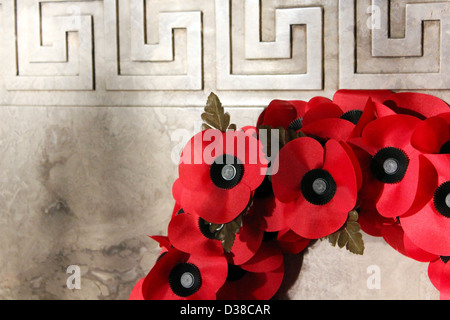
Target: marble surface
{"x":85,"y":186}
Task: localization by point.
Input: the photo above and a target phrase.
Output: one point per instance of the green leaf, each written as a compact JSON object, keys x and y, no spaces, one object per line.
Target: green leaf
{"x":226,"y":232}
{"x":215,"y":116}
{"x":349,"y":236}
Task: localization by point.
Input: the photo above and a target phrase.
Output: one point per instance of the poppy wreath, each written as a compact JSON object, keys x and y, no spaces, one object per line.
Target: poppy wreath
{"x":366,"y":160}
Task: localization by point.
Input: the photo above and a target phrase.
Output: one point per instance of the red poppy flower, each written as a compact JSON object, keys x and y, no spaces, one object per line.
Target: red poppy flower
{"x":190,"y":233}
{"x":290,"y":242}
{"x":219,"y":172}
{"x":329,"y":120}
{"x":258,"y":279}
{"x":428,"y":228}
{"x":439,"y":274}
{"x":319,"y":184}
{"x":181,"y":276}
{"x":285,"y":114}
{"x":395,"y":167}
{"x":357,"y":99}
{"x":370,"y":220}
{"x":394,"y":235}
{"x":417,"y":104}
{"x":433,"y":135}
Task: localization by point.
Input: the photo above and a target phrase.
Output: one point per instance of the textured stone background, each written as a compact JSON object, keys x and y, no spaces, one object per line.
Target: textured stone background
{"x":86,"y":174}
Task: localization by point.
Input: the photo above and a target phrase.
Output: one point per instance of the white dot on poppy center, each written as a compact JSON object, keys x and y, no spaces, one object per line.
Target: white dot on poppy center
{"x":187,"y":280}
{"x":320,"y":186}
{"x":390,"y":166}
{"x":228,"y":172}
{"x":447,"y":200}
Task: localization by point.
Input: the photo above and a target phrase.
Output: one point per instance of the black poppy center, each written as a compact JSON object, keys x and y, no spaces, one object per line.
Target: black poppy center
{"x":296,"y":125}
{"x":445,"y":149}
{"x":204,"y":229}
{"x":389,"y":165}
{"x":226,"y":171}
{"x":235,"y":273}
{"x":353,"y":116}
{"x":441,"y":199}
{"x":269,"y":236}
{"x":185,"y":279}
{"x":318,"y":187}
{"x":444,"y":259}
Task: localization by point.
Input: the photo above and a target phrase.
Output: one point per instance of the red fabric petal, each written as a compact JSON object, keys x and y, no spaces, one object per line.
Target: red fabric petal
{"x":271,"y":211}
{"x":156,"y":284}
{"x":185,"y":235}
{"x":418,"y":104}
{"x":295,"y":159}
{"x":372,"y":222}
{"x":322,"y":111}
{"x":177,"y":190}
{"x":331,"y":128}
{"x":136,"y":293}
{"x":445,"y":283}
{"x":253,"y":286}
{"x":249,"y":151}
{"x":429,"y":230}
{"x":317,"y":101}
{"x":268,"y":258}
{"x":340,"y":166}
{"x":394,"y":235}
{"x":390,"y":131}
{"x":431,"y":134}
{"x":248,"y":240}
{"x":163,"y":241}
{"x":197,"y":156}
{"x":357,"y":99}
{"x":279,"y":113}
{"x":216,"y":205}
{"x":214,"y":270}
{"x":355,"y":162}
{"x":397,"y":199}
{"x":292,"y":243}
{"x":435,"y":270}
{"x":314,"y":222}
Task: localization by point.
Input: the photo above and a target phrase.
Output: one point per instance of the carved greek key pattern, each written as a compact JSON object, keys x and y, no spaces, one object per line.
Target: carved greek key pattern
{"x":174,"y":53}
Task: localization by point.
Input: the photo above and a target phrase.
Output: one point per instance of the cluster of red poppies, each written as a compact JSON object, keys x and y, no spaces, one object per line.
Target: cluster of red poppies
{"x":381,"y":154}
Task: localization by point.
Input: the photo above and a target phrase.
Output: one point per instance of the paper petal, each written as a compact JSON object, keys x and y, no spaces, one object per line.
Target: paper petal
{"x":194,"y":167}
{"x":185,"y":235}
{"x":322,"y":111}
{"x":136,"y":293}
{"x":429,"y":230}
{"x":268,"y":258}
{"x":279,"y":113}
{"x":247,"y":241}
{"x":431,"y":134}
{"x":390,"y":131}
{"x":216,"y":205}
{"x":393,"y":234}
{"x":331,"y":128}
{"x":292,"y":243}
{"x":295,"y":160}
{"x":340,"y":166}
{"x":418,"y":104}
{"x":357,"y":99}
{"x":271,"y":211}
